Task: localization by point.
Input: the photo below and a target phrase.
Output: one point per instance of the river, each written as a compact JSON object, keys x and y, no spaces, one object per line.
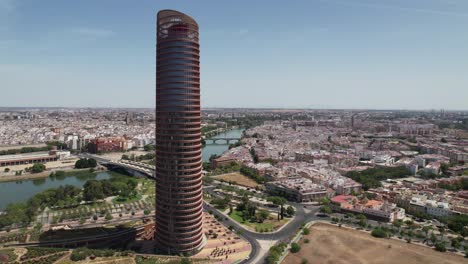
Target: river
{"x":20,"y":191}
{"x":219,"y":148}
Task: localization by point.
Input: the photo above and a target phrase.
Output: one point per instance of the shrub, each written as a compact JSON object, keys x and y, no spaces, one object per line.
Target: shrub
{"x":440,"y":247}
{"x":379,"y":232}
{"x":185,"y":261}
{"x":295,"y":248}
{"x":306,"y":241}
{"x":82,"y":253}
{"x":305,"y":231}
{"x":108,"y":217}
{"x":38,"y":167}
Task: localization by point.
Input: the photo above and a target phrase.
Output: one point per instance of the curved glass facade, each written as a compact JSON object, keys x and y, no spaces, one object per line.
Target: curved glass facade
{"x":178,"y":136}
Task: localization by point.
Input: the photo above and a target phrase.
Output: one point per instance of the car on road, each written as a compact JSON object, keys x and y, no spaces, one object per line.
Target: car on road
{"x":321,"y":215}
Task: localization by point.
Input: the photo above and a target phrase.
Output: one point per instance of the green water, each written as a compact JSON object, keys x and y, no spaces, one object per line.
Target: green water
{"x":20,"y":191}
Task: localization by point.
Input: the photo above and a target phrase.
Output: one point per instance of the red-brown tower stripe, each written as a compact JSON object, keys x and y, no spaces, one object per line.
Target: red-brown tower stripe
{"x":178,"y":135}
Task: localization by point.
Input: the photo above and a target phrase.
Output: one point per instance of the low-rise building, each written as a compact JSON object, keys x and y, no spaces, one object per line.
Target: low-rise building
{"x":107,"y":144}
{"x":372,"y":209}
{"x":297,"y":189}
{"x":28,"y":158}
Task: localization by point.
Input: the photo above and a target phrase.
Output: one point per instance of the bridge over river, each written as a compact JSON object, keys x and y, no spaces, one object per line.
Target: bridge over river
{"x":132,"y":167}
{"x":221,"y":140}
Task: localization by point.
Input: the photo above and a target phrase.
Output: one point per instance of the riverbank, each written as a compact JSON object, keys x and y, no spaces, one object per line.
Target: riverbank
{"x":218,"y":131}
{"x":218,"y":149}
{"x":44,"y":174}
{"x":21,"y":190}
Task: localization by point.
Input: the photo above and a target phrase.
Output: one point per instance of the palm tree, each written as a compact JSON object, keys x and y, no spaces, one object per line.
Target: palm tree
{"x":280,"y":201}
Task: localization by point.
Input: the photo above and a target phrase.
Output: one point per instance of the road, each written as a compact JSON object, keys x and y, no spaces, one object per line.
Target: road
{"x":301,"y":217}
{"x":283,"y":234}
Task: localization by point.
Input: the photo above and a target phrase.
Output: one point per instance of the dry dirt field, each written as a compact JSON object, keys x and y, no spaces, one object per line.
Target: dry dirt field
{"x":238,"y":179}
{"x":333,"y":245}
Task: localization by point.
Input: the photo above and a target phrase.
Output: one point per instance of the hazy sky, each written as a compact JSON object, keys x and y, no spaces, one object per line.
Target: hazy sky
{"x":398,"y":54}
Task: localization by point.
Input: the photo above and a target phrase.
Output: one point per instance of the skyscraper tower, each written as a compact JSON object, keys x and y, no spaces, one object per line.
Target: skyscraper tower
{"x":178,"y":135}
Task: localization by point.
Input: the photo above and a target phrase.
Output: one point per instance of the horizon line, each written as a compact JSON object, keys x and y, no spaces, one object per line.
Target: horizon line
{"x":246,"y":108}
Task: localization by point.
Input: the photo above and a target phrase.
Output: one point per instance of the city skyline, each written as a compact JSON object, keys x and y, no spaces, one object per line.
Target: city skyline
{"x":320,"y":55}
{"x":328,"y":131}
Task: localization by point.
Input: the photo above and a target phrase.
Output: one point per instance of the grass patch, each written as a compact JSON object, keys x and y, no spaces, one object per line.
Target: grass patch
{"x":238,"y":179}
{"x":120,"y":199}
{"x":268,"y":225}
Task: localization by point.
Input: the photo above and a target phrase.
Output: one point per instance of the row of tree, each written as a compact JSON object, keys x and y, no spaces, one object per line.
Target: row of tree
{"x":23,"y":213}
{"x":372,"y":177}
{"x":457,"y":186}
{"x":99,"y":189}
{"x":85,"y":163}
{"x":253,"y":174}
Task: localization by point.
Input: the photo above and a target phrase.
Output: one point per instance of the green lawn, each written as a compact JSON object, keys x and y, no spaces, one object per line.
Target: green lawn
{"x":268,"y":225}
{"x":119,"y":199}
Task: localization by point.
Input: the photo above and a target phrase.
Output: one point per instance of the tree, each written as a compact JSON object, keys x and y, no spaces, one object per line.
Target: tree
{"x":92,"y":190}
{"x":295,"y":247}
{"x":455,"y":242}
{"x":262,"y":215}
{"x":458,"y":223}
{"x":108,"y":217}
{"x":442,"y":232}
{"x":326,"y":209}
{"x":362,"y":219}
{"x":38,"y":167}
{"x":426,"y":230}
{"x":440,"y":246}
{"x":6,"y":170}
{"x":371,"y":178}
{"x":85,"y":163}
{"x":280,"y":201}
{"x":379,"y":232}
{"x":325,"y":201}
{"x":444,"y":168}
{"x":252,"y":173}
{"x":398,"y":223}
{"x":185,"y":261}
{"x":149,"y":147}
{"x":290,"y":211}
